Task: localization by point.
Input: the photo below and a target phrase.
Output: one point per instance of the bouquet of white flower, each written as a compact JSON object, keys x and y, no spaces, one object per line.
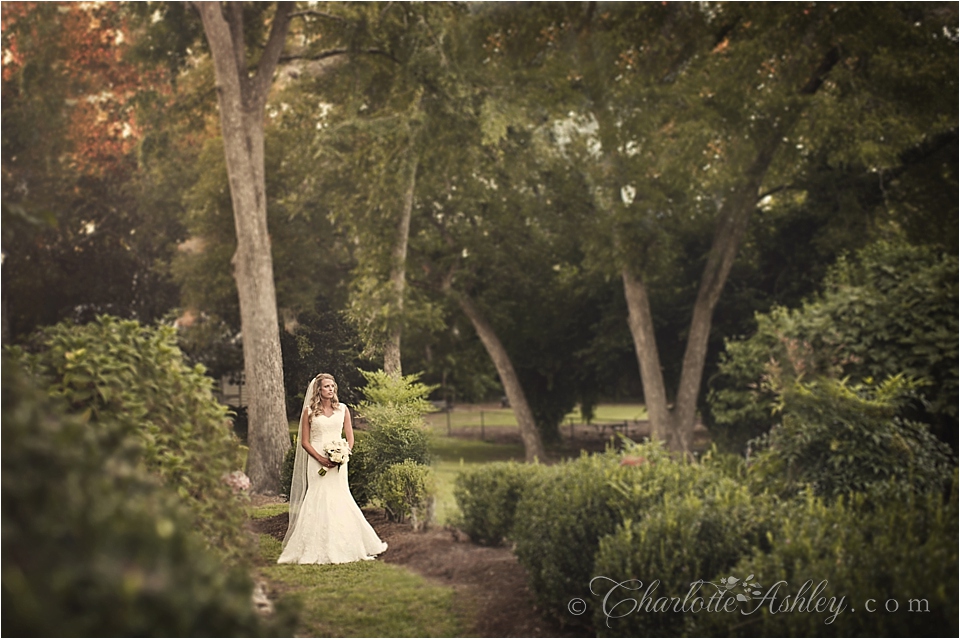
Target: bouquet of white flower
{"x":337,"y":451}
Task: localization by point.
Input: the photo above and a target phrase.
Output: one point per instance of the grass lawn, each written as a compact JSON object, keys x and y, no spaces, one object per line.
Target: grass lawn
{"x":453,"y":455}
{"x":364,"y":599}
{"x":611,"y":413}
{"x":470,"y":415}
{"x":268,"y":510}
{"x":373,"y":598}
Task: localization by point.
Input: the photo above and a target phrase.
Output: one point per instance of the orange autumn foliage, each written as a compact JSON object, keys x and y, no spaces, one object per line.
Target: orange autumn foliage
{"x":85,"y":49}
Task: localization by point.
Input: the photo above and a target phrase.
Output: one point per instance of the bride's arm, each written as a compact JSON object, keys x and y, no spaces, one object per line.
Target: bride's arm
{"x":305,"y":440}
{"x":348,"y":427}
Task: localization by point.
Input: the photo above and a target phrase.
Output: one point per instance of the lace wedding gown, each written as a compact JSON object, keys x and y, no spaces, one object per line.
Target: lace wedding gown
{"x":330,"y":528}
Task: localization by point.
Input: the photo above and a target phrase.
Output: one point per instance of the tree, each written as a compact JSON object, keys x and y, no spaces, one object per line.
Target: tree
{"x":384,"y":86}
{"x":394,"y":87}
{"x":77,"y":240}
{"x":686,"y":114}
{"x":242,"y":98}
{"x":499,"y":245}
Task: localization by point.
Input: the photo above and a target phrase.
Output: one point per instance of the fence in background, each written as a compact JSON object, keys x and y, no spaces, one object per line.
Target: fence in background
{"x":487,"y":426}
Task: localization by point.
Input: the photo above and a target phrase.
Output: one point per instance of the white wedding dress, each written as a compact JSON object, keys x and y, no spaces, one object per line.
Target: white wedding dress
{"x":330,"y":528}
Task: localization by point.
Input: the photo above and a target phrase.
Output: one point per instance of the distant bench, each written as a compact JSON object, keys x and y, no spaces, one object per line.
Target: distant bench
{"x":620,"y":428}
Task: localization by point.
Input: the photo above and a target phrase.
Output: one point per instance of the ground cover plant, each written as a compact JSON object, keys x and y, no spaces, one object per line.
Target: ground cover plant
{"x":362,"y":599}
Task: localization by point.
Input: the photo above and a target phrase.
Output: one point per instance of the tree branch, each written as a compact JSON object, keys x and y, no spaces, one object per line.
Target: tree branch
{"x":830,"y":60}
{"x":271,"y":53}
{"x":335,"y":52}
{"x":233,"y":14}
{"x":317,"y":14}
{"x":229,"y":77}
{"x":777,"y":189}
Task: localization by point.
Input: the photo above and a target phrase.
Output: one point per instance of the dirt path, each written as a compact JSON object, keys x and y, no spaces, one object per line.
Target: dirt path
{"x":489,"y":579}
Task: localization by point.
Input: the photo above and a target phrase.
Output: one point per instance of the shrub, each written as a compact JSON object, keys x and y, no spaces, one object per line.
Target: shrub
{"x":863,"y":547}
{"x":567,"y":510}
{"x":393,"y":400}
{"x":362,"y":474}
{"x":286,"y":470}
{"x":488,"y":497}
{"x":394,"y":411}
{"x":93,"y":545}
{"x":124,"y":379}
{"x":687,"y":537}
{"x":562,"y":515}
{"x":405,"y":489}
{"x":890,"y":310}
{"x":838,"y":438}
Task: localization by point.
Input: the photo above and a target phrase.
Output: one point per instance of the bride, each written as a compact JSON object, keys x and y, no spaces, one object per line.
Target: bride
{"x":326,"y":525}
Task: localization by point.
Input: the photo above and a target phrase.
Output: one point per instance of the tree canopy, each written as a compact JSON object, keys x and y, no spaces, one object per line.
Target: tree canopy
{"x":557,"y":202}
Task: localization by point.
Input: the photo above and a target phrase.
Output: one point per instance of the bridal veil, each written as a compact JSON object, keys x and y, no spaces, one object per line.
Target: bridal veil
{"x":298,"y":487}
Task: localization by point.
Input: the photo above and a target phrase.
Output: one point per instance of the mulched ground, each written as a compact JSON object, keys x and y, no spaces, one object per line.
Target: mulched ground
{"x":489,"y":580}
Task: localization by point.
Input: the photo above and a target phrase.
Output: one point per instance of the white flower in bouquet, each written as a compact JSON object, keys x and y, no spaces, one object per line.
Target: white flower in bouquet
{"x":337,"y":451}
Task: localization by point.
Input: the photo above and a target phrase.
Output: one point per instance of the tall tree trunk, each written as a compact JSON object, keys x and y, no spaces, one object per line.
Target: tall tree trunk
{"x":674,"y":425}
{"x":640,"y":320}
{"x":242,"y":99}
{"x":398,"y":261}
{"x":5,"y":314}
{"x":532,"y":444}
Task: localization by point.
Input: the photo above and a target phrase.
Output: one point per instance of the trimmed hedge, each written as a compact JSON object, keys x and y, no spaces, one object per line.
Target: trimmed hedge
{"x":568,"y":513}
{"x":640,"y":518}
{"x":562,"y":515}
{"x":687,"y":537}
{"x":488,"y":497}
{"x":404,"y":489}
{"x":868,"y":546}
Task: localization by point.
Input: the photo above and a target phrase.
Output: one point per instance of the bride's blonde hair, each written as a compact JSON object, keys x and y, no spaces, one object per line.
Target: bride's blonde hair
{"x":315,"y":400}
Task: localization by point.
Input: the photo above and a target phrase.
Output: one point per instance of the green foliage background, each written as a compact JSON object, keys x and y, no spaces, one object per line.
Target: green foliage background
{"x":889,"y":310}
{"x":129,"y":383}
{"x":96,"y":542}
